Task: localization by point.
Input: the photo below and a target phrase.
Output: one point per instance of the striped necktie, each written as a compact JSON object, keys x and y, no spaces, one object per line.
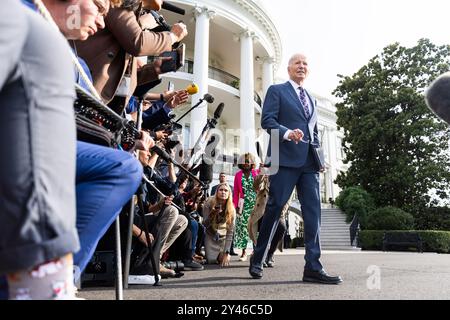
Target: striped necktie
{"x":304,"y":101}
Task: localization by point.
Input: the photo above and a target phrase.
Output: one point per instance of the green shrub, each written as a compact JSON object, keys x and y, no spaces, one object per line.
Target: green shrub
{"x":389,"y":218}
{"x":433,"y":241}
{"x":434,"y":218}
{"x":355,"y":200}
{"x":371,"y":239}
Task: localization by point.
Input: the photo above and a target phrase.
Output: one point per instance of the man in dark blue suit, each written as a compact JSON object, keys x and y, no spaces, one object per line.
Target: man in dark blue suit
{"x":290,"y":117}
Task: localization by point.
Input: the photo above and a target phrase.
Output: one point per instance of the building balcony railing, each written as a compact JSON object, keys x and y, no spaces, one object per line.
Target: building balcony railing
{"x":219,"y":75}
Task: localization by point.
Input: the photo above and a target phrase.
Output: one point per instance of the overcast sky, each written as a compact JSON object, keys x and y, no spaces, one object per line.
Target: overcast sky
{"x":340,"y":36}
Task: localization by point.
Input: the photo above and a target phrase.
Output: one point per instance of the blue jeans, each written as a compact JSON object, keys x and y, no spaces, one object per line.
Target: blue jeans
{"x":193,"y":224}
{"x":3,"y":288}
{"x":106,"y":179}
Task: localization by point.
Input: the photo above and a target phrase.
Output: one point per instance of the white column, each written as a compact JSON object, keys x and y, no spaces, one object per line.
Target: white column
{"x":267,"y":74}
{"x":201,"y":58}
{"x":247,"y":88}
{"x":267,"y":81}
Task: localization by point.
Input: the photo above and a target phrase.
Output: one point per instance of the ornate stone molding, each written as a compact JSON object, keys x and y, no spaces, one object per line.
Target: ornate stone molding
{"x":198,"y":11}
{"x":266,"y":22}
{"x":269,"y":60}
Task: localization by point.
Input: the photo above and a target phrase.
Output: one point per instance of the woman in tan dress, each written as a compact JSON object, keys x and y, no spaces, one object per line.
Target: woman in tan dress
{"x":219,"y":219}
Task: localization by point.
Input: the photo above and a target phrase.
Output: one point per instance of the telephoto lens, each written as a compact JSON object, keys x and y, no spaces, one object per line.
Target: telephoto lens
{"x":177,"y":266}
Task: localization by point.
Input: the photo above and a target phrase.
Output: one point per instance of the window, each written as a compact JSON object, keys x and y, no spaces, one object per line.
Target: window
{"x":186,"y":135}
{"x":340,"y":149}
{"x":237,"y":145}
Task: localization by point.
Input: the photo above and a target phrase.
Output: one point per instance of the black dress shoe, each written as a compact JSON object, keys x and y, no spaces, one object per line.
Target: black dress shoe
{"x":254,"y":271}
{"x":320,"y":277}
{"x":269,"y":261}
{"x":232,"y":253}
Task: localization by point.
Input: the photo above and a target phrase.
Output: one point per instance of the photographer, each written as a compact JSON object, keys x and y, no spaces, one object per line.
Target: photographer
{"x":105,"y":178}
{"x":37,"y":191}
{"x":183,"y":247}
{"x":110,"y":54}
{"x":164,"y":222}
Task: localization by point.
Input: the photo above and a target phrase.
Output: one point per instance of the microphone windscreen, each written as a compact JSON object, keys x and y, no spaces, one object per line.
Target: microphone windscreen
{"x":438,"y":97}
{"x":206,"y":172}
{"x":170,"y":7}
{"x":192,"y":89}
{"x":161,"y":153}
{"x":219,"y":110}
{"x":208,"y":98}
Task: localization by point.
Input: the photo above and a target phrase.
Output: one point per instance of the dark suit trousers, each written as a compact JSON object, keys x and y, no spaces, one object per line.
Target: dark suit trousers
{"x":306,"y":179}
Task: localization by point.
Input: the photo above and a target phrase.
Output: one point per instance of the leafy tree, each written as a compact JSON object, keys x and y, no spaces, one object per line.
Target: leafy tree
{"x":396,"y":146}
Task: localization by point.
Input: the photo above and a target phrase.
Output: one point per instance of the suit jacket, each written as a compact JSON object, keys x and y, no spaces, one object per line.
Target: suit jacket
{"x":283,"y":110}
{"x":111,"y":49}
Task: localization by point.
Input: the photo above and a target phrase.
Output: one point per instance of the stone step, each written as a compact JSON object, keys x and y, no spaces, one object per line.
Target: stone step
{"x":335,"y":225}
{"x":339,"y":239}
{"x":334,"y":228}
{"x":337,"y":212}
{"x":324,"y":236}
{"x":331,"y":222}
{"x":340,"y":216}
{"x":340,"y":222}
{"x":335,"y":243}
{"x":349,"y":248}
{"x":334,"y":236}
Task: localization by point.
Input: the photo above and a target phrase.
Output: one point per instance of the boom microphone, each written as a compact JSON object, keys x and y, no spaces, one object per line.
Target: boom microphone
{"x":170,"y":7}
{"x":208,"y":98}
{"x":162,"y":154}
{"x":219,"y":110}
{"x":206,"y":172}
{"x":438,"y":97}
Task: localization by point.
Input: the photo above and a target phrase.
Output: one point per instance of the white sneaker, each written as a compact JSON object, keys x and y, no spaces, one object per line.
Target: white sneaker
{"x":142,"y":279}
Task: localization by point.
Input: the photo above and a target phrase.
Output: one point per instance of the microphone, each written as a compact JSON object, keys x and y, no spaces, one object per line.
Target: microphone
{"x":206,"y":172}
{"x":170,"y":7}
{"x":162,"y":154}
{"x":208,"y":98}
{"x":437,"y":97}
{"x":219,"y":110}
{"x":192,"y":89}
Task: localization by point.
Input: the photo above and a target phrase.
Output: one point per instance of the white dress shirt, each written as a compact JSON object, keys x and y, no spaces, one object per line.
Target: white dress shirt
{"x":296,"y":86}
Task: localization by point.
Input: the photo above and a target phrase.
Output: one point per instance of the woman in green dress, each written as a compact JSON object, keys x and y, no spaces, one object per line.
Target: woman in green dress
{"x":244,"y":198}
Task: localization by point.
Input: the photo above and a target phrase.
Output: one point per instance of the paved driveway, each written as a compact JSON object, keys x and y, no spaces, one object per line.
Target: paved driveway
{"x":367,"y":275}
